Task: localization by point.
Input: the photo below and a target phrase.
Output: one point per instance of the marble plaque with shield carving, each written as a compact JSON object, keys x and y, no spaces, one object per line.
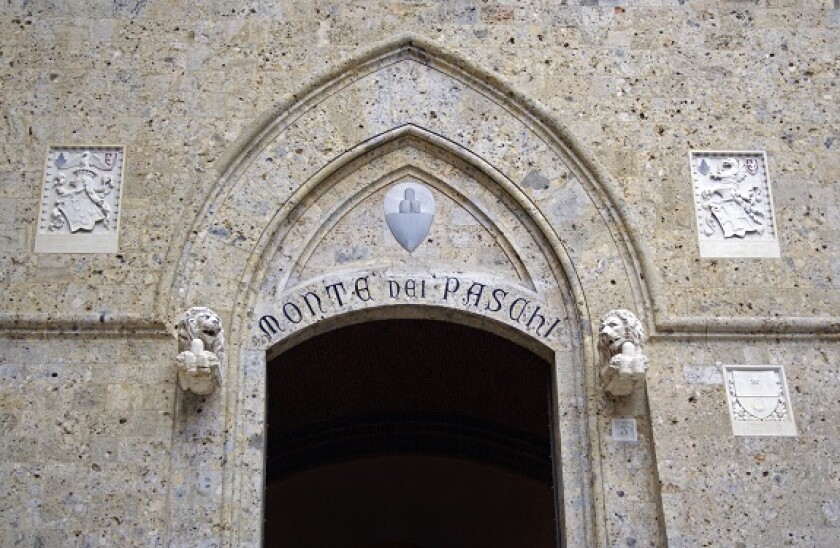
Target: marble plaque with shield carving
{"x":759,"y":402}
{"x":80,"y":200}
{"x":734,"y":205}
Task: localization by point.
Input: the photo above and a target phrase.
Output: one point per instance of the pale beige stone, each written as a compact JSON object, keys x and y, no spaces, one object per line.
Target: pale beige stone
{"x":262,"y":138}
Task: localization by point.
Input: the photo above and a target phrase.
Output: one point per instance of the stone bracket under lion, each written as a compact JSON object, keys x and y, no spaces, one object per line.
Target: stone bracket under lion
{"x":201,"y":347}
{"x":620,"y":344}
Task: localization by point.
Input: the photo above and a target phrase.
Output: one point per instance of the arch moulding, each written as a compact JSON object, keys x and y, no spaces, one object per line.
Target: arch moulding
{"x":289,"y":243}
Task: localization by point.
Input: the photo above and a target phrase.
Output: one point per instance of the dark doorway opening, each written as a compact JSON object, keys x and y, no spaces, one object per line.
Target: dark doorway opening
{"x":409,"y":433}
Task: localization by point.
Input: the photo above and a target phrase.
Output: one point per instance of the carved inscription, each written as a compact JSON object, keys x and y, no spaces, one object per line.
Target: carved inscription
{"x":315,"y":302}
{"x":624,"y":430}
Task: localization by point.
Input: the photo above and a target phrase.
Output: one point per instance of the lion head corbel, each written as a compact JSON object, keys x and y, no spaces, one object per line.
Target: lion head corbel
{"x":201,"y":347}
{"x":623,"y":363}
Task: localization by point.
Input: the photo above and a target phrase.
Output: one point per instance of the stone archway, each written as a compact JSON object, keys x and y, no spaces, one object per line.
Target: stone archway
{"x":499,"y":275}
{"x":290,"y":240}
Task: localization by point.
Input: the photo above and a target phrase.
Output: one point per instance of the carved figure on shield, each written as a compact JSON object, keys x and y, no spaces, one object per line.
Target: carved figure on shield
{"x":735,"y":210}
{"x":756,"y":395}
{"x":80,"y":195}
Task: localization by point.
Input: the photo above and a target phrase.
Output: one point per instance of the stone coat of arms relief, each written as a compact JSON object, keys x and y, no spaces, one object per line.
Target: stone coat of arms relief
{"x":409,"y":212}
{"x":80,"y":194}
{"x":733,"y":205}
{"x":80,"y":200}
{"x":759,"y":401}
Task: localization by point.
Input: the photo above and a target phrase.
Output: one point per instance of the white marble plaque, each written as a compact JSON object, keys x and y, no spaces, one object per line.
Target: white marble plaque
{"x":733,"y":204}
{"x":80,"y":200}
{"x":624,"y":430}
{"x":759,"y":402}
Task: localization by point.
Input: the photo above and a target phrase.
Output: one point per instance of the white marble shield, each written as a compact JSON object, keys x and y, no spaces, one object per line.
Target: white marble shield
{"x":409,"y":212}
{"x":758,"y":392}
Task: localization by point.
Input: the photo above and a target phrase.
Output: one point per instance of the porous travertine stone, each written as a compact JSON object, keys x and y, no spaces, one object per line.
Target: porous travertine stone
{"x":263,"y":138}
{"x":87,"y":425}
{"x":756,"y":488}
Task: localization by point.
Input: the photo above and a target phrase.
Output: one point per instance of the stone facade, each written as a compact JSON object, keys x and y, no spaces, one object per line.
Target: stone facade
{"x":259,"y":141}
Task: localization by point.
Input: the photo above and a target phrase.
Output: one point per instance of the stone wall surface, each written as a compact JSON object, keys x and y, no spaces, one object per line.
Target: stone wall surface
{"x":86,"y":426}
{"x":99,"y":448}
{"x":721,"y":490}
{"x":638,"y":84}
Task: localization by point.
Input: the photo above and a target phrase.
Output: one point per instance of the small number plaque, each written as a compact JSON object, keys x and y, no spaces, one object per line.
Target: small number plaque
{"x":624,"y":430}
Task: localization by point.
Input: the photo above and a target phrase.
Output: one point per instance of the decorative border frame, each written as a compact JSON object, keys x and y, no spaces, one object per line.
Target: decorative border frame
{"x":781,"y":423}
{"x":86,"y":242}
{"x":751,"y":246}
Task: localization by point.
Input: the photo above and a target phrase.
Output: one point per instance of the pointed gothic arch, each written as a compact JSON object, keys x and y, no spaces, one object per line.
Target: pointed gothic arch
{"x":585,"y":180}
{"x":556,"y":215}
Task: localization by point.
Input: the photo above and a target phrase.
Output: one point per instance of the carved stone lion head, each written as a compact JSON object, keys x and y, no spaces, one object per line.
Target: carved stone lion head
{"x":199,"y":322}
{"x":618,"y":327}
